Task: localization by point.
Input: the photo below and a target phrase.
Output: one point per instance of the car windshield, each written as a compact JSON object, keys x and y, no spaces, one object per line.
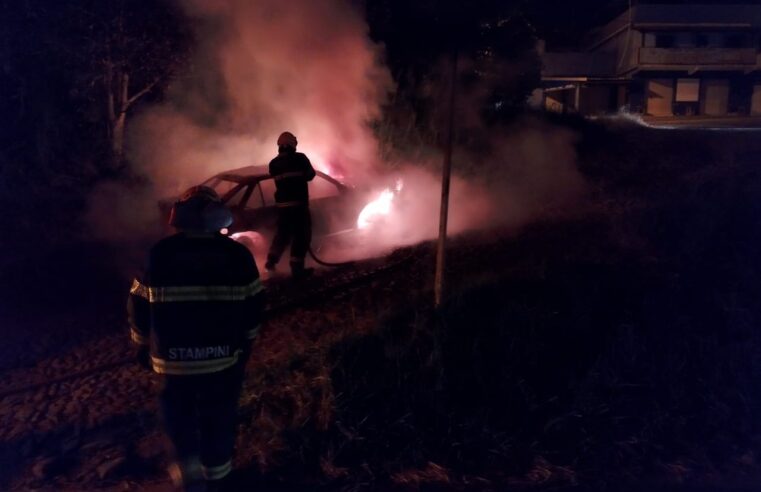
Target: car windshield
{"x":221,"y":186}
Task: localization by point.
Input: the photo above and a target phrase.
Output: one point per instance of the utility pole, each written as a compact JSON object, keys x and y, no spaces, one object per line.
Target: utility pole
{"x":445,"y":179}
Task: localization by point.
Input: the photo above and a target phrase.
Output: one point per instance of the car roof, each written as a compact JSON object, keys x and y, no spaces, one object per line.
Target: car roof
{"x":245,"y":174}
{"x":253,"y":174}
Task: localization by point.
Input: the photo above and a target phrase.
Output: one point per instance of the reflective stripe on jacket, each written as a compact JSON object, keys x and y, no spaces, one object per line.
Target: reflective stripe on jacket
{"x":198,"y":305}
{"x":189,"y":293}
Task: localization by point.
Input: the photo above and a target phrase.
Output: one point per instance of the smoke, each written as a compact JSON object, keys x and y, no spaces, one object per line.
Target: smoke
{"x":123,"y":213}
{"x":262,"y":68}
{"x":529,"y":171}
{"x":309,"y":67}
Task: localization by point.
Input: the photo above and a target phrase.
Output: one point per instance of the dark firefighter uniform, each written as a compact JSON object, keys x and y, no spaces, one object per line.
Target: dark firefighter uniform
{"x":195,"y":312}
{"x":292,"y":171}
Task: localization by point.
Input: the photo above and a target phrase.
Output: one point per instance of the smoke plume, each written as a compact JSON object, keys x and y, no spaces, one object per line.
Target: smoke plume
{"x":309,"y":67}
{"x":261,"y":68}
{"x":528,"y":171}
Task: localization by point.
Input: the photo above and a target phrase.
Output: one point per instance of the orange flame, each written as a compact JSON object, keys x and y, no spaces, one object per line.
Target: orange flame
{"x":378,"y":208}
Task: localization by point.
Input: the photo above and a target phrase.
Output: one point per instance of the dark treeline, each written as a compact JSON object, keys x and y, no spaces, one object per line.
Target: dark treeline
{"x":72,"y":74}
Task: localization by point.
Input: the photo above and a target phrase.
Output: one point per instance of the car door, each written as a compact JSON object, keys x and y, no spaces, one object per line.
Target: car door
{"x":257,"y":210}
{"x":235,"y":199}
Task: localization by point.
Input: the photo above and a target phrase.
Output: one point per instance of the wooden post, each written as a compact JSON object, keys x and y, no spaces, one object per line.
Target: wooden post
{"x":445,"y":178}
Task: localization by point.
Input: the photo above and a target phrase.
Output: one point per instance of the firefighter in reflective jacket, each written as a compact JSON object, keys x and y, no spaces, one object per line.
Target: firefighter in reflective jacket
{"x":193,"y":315}
{"x":292,"y":172}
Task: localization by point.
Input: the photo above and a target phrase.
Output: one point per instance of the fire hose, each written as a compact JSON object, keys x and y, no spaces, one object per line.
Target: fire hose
{"x":327,"y":263}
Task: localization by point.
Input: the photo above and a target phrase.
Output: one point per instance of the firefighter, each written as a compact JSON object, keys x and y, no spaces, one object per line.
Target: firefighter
{"x":292,"y":172}
{"x":193,"y":316}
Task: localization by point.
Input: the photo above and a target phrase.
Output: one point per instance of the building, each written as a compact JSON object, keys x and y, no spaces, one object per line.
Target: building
{"x":662,"y":61}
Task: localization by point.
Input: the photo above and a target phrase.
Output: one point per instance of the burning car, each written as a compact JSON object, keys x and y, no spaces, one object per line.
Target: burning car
{"x":338,"y":210}
{"x":249,"y":192}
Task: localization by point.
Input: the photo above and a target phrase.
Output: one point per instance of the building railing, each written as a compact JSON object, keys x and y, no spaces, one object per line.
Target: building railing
{"x":698,"y":56}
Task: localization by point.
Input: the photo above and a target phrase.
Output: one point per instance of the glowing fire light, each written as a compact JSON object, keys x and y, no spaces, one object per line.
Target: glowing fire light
{"x":252,"y":240}
{"x":378,"y":208}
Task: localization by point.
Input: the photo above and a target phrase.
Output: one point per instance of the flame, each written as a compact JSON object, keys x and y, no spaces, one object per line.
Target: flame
{"x":380,"y":207}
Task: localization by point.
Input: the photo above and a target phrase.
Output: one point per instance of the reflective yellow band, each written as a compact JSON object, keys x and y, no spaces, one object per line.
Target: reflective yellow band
{"x":189,"y":293}
{"x":191,"y":367}
{"x":295,"y":174}
{"x":217,"y":472}
{"x":253,"y":332}
{"x":137,"y":337}
{"x":289,"y":204}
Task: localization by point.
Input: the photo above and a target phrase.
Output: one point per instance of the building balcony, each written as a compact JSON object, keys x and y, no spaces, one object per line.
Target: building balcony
{"x":711,"y":58}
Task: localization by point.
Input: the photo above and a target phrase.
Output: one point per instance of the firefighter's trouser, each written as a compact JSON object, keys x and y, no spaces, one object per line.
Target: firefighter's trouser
{"x":294,"y":225}
{"x":200,"y":417}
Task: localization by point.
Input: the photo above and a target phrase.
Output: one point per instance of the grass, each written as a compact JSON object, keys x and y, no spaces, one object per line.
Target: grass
{"x":618,"y":348}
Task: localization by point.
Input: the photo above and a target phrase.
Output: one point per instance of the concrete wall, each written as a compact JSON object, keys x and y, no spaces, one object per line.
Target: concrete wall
{"x":660,"y":95}
{"x":715,"y":100}
{"x":755,"y":106}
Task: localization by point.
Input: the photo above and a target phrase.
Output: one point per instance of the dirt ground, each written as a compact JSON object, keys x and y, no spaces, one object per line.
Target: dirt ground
{"x":658,"y":269}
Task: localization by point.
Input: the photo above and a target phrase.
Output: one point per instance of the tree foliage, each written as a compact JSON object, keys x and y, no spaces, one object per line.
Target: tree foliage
{"x":498,"y":66}
{"x":74,"y":70}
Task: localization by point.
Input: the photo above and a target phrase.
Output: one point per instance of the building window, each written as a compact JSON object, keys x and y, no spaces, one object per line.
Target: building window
{"x":740,"y":96}
{"x":687,"y":90}
{"x":686,"y":97}
{"x":684,"y":40}
{"x":735,"y":40}
{"x":664,"y":40}
{"x":701,"y":40}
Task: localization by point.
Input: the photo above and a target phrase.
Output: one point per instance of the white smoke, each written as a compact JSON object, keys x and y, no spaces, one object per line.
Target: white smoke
{"x":309,"y":67}
{"x":262,"y":68}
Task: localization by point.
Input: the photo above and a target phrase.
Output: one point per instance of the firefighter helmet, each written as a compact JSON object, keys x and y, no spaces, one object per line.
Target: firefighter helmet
{"x":200,"y":209}
{"x":287,"y":139}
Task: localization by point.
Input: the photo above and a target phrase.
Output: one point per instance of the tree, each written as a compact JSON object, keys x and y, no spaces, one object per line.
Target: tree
{"x":499,"y":65}
{"x":129,"y":48}
{"x":93,"y":62}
